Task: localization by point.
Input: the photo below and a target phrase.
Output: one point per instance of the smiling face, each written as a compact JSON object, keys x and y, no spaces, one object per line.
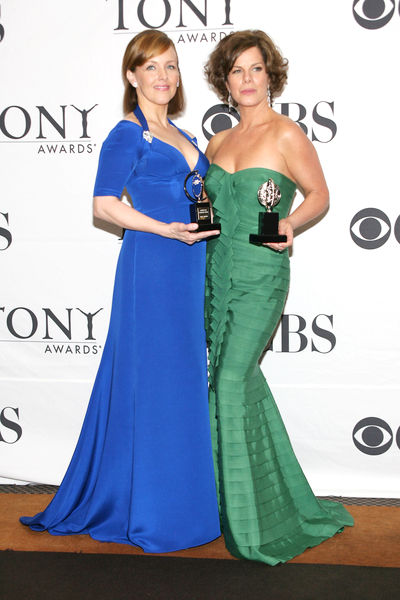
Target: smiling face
{"x":157,"y":79}
{"x":248,"y":80}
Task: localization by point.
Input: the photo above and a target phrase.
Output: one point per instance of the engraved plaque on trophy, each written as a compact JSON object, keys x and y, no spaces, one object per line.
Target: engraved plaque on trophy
{"x":200,"y":209}
{"x":268,"y":195}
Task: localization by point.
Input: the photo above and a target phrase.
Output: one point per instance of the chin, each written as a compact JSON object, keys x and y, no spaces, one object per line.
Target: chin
{"x":162,"y":98}
{"x":249,"y":101}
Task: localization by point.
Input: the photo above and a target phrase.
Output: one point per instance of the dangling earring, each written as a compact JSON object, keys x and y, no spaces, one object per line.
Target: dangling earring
{"x":269,"y":96}
{"x":177,"y":83}
{"x":230,"y":102}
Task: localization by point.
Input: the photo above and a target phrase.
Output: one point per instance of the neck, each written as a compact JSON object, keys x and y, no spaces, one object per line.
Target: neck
{"x":157,"y":114}
{"x":252,"y":116}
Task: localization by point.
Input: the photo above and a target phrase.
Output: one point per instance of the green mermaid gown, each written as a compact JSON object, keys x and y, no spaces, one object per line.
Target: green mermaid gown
{"x":267,"y":508}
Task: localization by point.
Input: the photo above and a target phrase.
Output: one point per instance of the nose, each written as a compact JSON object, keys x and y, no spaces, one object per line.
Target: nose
{"x":246,"y":76}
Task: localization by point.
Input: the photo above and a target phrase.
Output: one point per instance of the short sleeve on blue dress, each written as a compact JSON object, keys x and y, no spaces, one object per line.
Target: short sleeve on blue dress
{"x":119,"y":154}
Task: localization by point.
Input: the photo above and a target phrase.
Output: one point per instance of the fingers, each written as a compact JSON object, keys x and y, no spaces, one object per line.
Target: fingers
{"x":280,"y":246}
{"x":198,"y":237}
{"x":277,"y":247}
{"x":190,"y":226}
{"x":187,"y":233}
{"x":285,"y":228}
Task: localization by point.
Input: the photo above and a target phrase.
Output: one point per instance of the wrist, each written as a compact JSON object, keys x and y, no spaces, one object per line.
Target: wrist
{"x":289,"y":220}
{"x":161,"y":229}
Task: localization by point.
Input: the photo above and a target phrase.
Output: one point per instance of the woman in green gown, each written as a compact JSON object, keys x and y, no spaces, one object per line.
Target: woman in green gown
{"x":268,"y":510}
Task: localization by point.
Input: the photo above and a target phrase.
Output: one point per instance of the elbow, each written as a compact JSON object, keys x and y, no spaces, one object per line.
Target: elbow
{"x":99,"y":211}
{"x":323,"y":200}
{"x":96,"y":211}
{"x":326,"y":201}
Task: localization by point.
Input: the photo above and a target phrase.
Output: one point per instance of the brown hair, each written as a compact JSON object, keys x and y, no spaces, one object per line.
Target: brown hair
{"x":140,"y":49}
{"x":223,"y":58}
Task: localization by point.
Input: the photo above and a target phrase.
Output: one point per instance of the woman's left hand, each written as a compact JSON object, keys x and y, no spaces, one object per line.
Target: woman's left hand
{"x":284,"y":228}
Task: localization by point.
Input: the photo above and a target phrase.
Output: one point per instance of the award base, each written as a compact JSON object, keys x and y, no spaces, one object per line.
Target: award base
{"x":268,"y":224}
{"x":208,"y":227}
{"x":268,"y":238}
{"x":200,"y":213}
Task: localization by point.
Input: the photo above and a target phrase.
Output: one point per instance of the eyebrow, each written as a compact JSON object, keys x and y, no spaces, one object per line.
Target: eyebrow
{"x":260,"y":62}
{"x":168,"y":61}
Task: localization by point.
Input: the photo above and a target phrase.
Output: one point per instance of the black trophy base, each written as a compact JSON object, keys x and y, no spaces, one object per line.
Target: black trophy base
{"x":267,"y":238}
{"x":268,"y":224}
{"x":200,"y":213}
{"x":208,"y":227}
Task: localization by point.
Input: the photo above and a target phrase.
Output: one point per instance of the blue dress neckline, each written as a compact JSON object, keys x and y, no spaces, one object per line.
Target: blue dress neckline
{"x":143,"y":122}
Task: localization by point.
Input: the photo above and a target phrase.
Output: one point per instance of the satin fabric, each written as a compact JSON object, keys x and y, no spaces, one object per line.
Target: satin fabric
{"x":268,"y":510}
{"x":142,"y":470}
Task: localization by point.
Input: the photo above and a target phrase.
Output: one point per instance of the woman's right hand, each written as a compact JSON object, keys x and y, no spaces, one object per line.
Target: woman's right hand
{"x":111,"y":209}
{"x":186,"y":232}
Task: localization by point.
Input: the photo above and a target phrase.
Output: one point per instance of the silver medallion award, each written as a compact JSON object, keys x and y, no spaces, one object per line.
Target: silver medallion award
{"x":269,"y":196}
{"x":200,"y":209}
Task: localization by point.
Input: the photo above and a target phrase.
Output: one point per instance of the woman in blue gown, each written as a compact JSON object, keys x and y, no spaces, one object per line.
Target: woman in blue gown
{"x":142,"y":470}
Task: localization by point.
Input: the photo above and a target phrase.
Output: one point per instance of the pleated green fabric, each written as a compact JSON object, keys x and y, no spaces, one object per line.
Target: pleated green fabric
{"x":268,"y":510}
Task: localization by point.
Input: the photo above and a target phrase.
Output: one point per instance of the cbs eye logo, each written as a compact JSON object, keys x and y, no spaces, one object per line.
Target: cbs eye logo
{"x":373,"y":436}
{"x":370,"y":228}
{"x":218,"y":118}
{"x":373,"y":14}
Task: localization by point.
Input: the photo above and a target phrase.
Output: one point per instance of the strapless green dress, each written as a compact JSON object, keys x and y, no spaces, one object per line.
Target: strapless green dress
{"x":267,"y":508}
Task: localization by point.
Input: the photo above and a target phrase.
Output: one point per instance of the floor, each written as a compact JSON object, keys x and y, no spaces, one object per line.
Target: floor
{"x":373,"y":541}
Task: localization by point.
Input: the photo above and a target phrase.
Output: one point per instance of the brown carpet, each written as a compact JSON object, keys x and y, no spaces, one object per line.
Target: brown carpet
{"x":373,"y":541}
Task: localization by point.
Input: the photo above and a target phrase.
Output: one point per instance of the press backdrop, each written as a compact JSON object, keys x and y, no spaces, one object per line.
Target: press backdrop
{"x":334,"y":362}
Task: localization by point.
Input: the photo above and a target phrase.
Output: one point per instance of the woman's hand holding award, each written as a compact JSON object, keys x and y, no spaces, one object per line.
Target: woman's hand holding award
{"x":268,"y":195}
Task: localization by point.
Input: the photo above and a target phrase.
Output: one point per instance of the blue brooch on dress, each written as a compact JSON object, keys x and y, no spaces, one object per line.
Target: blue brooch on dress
{"x":148,"y":136}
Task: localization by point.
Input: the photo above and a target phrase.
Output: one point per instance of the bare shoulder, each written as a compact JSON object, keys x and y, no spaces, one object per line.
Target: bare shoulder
{"x":289,"y":133}
{"x":216,"y":142}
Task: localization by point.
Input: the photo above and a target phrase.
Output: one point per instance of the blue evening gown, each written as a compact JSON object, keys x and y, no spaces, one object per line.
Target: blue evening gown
{"x":142,"y":470}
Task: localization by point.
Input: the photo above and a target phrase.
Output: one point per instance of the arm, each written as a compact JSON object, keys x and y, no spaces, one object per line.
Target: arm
{"x":303,"y":164}
{"x":118,"y":156}
{"x":111,"y":209}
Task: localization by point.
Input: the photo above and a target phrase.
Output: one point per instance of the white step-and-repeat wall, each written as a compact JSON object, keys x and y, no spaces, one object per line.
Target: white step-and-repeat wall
{"x":334,"y":362}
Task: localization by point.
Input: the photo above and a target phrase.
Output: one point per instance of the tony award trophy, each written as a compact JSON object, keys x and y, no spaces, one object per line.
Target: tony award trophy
{"x":268,"y":195}
{"x":200,"y":209}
